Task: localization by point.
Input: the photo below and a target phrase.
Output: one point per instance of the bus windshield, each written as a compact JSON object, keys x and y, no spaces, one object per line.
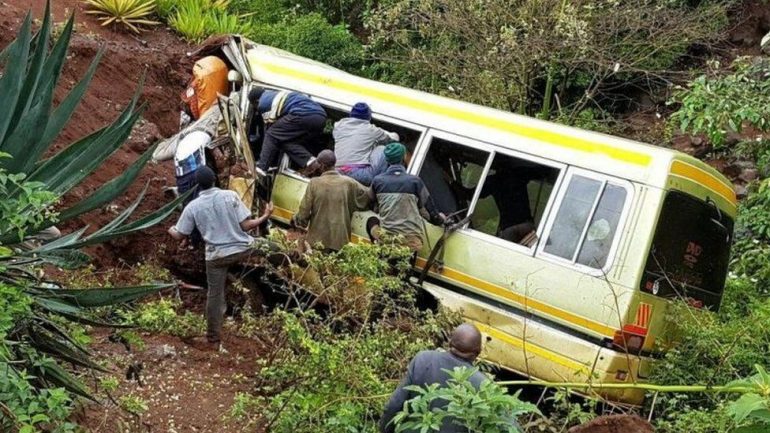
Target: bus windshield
{"x":690,"y":252}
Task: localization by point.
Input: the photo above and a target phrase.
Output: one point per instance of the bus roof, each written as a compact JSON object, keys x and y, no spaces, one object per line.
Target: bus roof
{"x":623,"y":158}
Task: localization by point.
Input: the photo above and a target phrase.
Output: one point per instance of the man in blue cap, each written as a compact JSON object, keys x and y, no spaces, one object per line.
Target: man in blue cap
{"x":399,"y":197}
{"x":359,"y":145}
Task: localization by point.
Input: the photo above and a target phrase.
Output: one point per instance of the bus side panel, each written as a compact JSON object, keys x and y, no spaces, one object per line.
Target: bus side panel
{"x":542,"y":352}
{"x":287,"y":196}
{"x":558,"y":293}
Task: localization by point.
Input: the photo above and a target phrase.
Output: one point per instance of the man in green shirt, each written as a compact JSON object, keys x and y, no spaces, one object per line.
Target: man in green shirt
{"x":328,"y":205}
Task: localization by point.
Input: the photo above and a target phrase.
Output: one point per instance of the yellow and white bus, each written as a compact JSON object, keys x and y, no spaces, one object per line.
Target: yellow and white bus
{"x":620,"y":227}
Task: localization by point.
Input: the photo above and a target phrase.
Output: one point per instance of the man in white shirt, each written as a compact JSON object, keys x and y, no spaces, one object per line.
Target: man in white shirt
{"x":223,"y":221}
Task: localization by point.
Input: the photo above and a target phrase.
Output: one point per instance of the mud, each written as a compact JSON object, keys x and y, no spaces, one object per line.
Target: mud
{"x":614,"y":424}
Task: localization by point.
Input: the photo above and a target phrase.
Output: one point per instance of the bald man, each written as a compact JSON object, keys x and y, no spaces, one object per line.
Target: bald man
{"x":428,"y":368}
{"x":328,"y":205}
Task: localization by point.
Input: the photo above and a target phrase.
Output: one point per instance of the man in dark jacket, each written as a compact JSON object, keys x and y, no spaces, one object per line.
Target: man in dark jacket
{"x":428,"y":368}
{"x":399,"y":198}
{"x":293,"y":123}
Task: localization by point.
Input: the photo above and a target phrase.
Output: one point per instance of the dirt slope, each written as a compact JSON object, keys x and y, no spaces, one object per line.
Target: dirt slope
{"x":160,"y":55}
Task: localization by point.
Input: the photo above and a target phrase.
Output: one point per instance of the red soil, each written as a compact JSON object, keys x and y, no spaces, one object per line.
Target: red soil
{"x":185,"y":389}
{"x":614,"y":424}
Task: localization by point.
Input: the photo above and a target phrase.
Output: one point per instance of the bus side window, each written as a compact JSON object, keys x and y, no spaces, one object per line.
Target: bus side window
{"x":513,"y":198}
{"x":451,"y":173}
{"x":407,"y":136}
{"x":584,"y":228}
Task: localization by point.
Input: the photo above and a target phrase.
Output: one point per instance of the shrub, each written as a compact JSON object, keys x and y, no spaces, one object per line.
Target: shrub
{"x":717,"y":105}
{"x":331,"y":367}
{"x":161,"y":317}
{"x":196,"y":20}
{"x":313,"y":37}
{"x":129,"y":13}
{"x":317,"y":376}
{"x":489,"y":409}
{"x":517,"y":55}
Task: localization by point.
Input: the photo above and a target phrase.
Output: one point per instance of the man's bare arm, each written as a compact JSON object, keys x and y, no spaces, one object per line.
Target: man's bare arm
{"x":175,"y":234}
{"x":252,"y":223}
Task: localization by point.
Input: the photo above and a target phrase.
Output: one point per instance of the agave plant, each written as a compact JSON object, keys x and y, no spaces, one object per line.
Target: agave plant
{"x":130,"y":13}
{"x":29,"y":124}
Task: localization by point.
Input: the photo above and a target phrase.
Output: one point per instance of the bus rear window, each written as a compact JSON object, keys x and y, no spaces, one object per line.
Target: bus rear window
{"x":690,"y":252}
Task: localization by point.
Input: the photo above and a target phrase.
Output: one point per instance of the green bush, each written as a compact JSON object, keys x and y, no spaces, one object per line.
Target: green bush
{"x":161,"y":316}
{"x":197,"y":20}
{"x":716,"y":105}
{"x":318,"y":377}
{"x":489,"y":409}
{"x":313,"y":37}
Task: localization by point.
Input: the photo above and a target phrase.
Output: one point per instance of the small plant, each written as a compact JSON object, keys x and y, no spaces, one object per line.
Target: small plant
{"x":129,"y":13}
{"x":196,"y":20}
{"x":751,"y":412}
{"x":161,"y":317}
{"x":133,"y":404}
{"x":109,"y":384}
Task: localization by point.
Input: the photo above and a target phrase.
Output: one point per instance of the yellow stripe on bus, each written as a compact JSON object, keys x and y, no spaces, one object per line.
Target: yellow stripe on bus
{"x":493,"y":289}
{"x":523,"y":301}
{"x":708,"y":180}
{"x":555,"y":138}
{"x":282,"y":213}
{"x":531,"y":348}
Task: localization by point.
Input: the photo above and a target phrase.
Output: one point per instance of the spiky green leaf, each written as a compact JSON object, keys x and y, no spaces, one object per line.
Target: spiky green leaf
{"x":65,"y":258}
{"x":29,"y":89}
{"x":103,"y":296}
{"x":109,"y":191}
{"x":138,"y":225}
{"x":54,"y":374}
{"x":12,"y":79}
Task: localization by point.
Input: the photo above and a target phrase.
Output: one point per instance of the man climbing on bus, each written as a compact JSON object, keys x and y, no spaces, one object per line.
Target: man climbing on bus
{"x":293,"y":124}
{"x":223,"y":221}
{"x":399,"y":197}
{"x":328,"y":205}
{"x":359,"y":145}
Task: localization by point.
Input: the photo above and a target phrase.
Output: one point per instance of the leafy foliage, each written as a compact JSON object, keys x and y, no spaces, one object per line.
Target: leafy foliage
{"x":312,"y":36}
{"x":517,"y":55}
{"x":129,"y":13}
{"x":331,"y":360}
{"x":751,"y":412}
{"x":162,"y":316}
{"x":488,"y":409}
{"x":37,"y":335}
{"x":196,"y":20}
{"x":717,"y":105}
{"x":28,"y":204}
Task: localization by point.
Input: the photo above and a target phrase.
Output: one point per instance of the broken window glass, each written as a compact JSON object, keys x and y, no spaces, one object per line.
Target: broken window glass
{"x":513,"y":198}
{"x":451,"y":172}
